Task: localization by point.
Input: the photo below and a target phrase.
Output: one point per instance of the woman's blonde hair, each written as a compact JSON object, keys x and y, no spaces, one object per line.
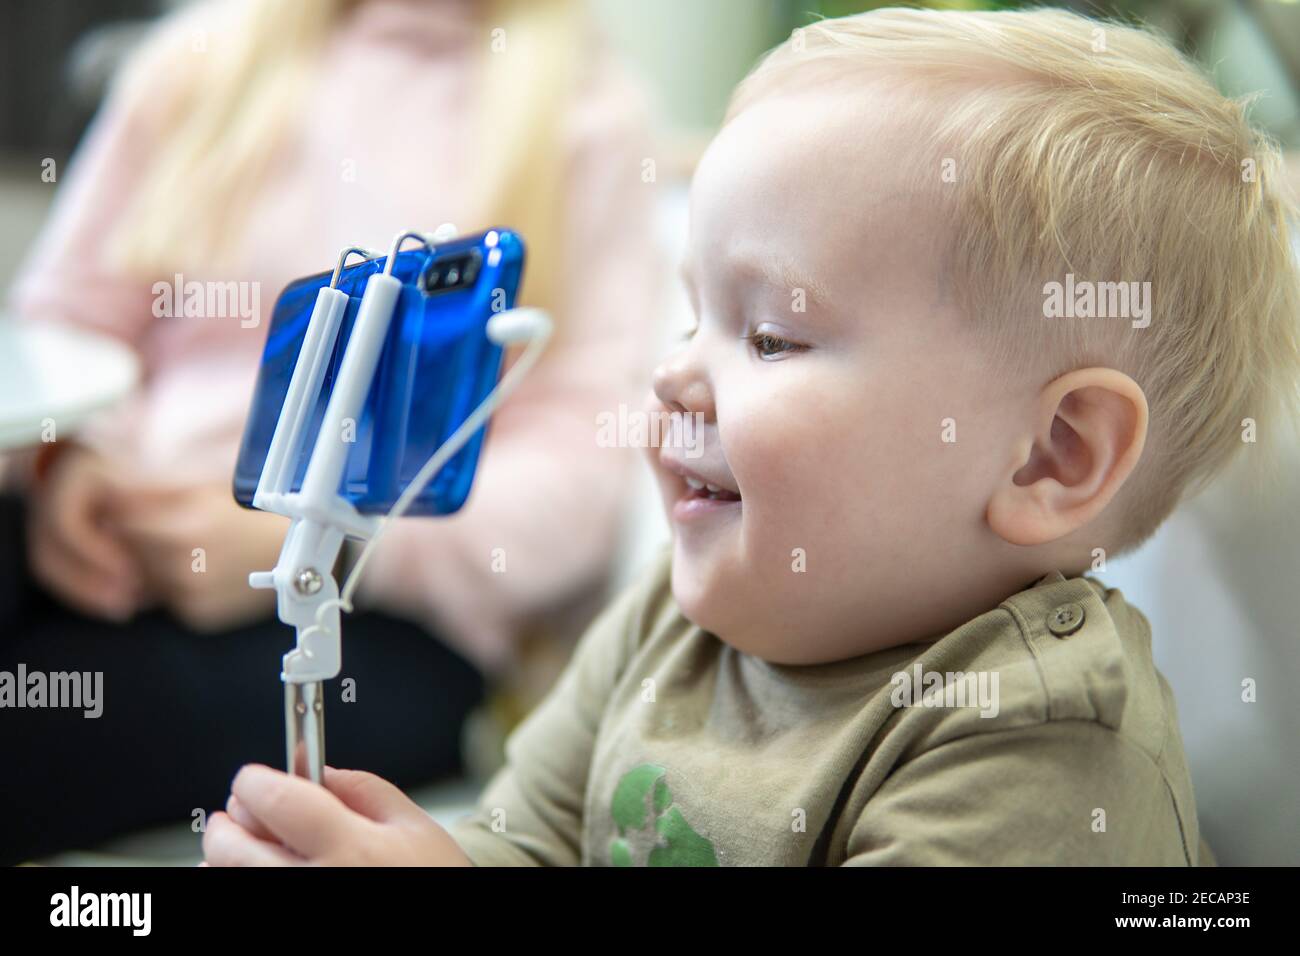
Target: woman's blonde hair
{"x":222,"y":116}
{"x":1096,"y":149}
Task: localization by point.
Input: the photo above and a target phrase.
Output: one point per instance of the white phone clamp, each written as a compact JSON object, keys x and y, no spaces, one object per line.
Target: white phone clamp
{"x":307,"y":596}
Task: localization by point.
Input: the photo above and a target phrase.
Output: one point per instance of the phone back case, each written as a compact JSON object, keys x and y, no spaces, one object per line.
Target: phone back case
{"x":436,"y":366}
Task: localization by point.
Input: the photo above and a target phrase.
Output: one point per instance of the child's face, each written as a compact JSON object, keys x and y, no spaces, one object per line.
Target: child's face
{"x":825,"y":427}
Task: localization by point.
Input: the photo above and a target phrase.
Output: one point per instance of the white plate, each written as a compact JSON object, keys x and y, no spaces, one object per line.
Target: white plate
{"x":59,"y":372}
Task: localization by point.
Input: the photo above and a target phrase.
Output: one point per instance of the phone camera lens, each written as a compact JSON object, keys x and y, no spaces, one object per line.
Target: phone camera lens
{"x":453,"y":273}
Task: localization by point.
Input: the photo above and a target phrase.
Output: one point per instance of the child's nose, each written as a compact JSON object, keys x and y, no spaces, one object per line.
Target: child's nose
{"x":680,"y":385}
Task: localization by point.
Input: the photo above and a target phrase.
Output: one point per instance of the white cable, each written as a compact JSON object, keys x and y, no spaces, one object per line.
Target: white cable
{"x":540,"y":327}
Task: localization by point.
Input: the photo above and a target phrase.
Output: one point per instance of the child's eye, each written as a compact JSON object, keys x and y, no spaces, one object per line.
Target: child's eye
{"x":768,"y":345}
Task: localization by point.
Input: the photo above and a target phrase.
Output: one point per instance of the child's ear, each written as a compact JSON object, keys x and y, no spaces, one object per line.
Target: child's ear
{"x":1089,"y":429}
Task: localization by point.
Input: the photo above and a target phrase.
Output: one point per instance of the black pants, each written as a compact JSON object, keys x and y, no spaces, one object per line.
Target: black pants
{"x":182,"y":711}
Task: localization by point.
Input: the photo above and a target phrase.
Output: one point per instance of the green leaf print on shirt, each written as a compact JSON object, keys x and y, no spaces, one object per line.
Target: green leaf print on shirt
{"x":673,"y":841}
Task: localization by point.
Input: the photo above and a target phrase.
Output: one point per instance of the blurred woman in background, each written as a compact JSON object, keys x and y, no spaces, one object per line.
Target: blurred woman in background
{"x":250,"y":141}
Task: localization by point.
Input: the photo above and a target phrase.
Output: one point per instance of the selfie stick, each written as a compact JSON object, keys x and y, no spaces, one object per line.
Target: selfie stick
{"x":307,"y":596}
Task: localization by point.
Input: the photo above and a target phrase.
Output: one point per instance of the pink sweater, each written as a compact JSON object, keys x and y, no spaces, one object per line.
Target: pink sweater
{"x":545,"y":493}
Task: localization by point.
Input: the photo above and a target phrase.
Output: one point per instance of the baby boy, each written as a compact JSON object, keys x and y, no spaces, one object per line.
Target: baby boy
{"x":978,"y":299}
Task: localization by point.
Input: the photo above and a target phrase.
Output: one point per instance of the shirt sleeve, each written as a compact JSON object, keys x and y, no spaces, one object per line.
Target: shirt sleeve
{"x":531,"y":812}
{"x":1066,"y":792}
{"x":542,"y":522}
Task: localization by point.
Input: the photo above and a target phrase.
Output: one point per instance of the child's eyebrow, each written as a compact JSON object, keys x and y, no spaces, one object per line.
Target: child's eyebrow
{"x":784,"y":275}
{"x":777,"y":273}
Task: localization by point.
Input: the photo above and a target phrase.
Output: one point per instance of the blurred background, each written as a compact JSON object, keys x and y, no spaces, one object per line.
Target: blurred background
{"x":1217,"y":582}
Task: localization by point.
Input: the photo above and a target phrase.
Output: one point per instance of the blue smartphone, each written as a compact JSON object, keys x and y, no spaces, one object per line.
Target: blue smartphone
{"x":436,"y":366}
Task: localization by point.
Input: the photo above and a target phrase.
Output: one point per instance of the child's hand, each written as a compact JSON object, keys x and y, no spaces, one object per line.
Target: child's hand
{"x":356,"y":819}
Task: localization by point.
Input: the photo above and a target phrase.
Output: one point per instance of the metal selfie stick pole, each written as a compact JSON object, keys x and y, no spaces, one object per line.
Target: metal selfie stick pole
{"x":307,"y":596}
{"x":303,"y":577}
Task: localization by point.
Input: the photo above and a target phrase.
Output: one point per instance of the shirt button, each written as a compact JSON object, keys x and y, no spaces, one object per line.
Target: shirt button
{"x":1065,"y":620}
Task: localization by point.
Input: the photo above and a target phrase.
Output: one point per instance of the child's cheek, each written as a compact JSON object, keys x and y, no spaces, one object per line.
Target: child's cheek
{"x":795,"y":464}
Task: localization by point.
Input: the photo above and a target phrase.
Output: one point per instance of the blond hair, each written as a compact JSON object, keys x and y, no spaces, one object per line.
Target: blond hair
{"x":220,"y":118}
{"x":1096,"y":149}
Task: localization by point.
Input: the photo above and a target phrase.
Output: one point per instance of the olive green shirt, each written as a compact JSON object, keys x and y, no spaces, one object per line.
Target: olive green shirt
{"x":1057,"y":742}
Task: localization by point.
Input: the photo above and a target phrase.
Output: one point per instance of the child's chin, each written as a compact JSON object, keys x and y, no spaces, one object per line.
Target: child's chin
{"x":698,"y":595}
{"x":689,"y":588}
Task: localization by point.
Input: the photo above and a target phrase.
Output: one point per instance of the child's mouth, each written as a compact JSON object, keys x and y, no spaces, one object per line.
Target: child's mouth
{"x":696,"y":496}
{"x":702,"y":489}
{"x":700,"y":499}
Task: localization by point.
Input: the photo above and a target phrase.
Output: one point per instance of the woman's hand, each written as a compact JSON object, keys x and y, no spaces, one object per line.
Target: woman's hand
{"x":197,"y":547}
{"x":73,"y":548}
{"x":356,"y":819}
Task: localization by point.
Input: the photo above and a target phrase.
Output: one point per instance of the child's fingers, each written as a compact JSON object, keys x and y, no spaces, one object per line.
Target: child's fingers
{"x":239,"y":813}
{"x":369,"y":795}
{"x":226,"y":843}
{"x":306,"y":818}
